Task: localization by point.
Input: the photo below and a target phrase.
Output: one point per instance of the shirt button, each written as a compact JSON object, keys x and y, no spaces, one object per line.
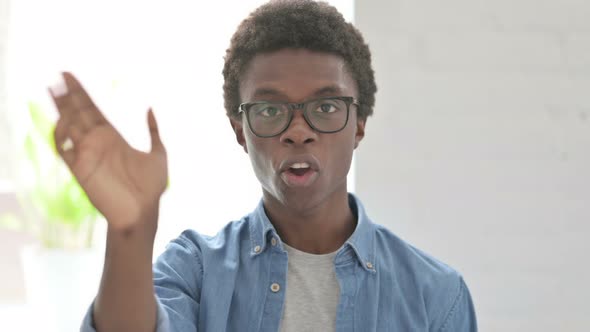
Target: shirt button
{"x":275,"y":287}
{"x":257,"y":249}
{"x":273,"y":241}
{"x":369,"y":265}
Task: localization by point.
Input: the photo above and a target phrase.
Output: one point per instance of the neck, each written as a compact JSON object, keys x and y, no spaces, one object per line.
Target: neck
{"x":318,"y":229}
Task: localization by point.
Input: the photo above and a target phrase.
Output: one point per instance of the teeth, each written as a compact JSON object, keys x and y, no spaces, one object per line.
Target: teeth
{"x":300,"y":165}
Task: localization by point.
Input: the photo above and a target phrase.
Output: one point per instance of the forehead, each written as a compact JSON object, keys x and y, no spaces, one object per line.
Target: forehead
{"x":295,"y":75}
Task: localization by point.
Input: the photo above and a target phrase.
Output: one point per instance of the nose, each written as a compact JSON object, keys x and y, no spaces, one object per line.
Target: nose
{"x":299,"y":131}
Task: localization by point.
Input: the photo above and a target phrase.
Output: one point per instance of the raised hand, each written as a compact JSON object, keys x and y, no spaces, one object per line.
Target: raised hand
{"x":123,"y":183}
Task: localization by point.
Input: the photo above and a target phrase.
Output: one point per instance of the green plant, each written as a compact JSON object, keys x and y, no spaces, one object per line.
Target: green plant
{"x":56,"y":208}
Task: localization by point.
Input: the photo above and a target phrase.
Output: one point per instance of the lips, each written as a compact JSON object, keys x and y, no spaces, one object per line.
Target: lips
{"x":300,"y":161}
{"x":299,"y":171}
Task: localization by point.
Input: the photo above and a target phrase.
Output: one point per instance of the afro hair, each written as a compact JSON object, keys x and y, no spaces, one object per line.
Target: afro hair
{"x":307,"y":24}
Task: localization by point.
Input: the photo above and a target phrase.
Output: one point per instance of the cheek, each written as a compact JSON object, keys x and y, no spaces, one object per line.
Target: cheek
{"x":349,"y":139}
{"x":345,"y":155}
{"x":258,"y":154}
{"x":340,"y":151}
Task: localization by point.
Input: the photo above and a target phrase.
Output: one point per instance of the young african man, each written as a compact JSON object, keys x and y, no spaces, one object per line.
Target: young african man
{"x":298,"y":90}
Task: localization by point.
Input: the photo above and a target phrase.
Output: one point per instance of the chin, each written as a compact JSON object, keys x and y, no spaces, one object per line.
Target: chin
{"x":296,"y":200}
{"x":302,"y":201}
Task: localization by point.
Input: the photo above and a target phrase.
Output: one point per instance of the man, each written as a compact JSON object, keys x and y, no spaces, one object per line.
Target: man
{"x":298,"y":90}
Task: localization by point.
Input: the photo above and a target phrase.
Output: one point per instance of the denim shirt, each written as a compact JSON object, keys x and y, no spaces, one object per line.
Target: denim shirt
{"x":236,"y":281}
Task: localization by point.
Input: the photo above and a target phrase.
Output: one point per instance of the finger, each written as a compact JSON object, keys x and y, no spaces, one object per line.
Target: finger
{"x":61,"y":100}
{"x":84,"y":121}
{"x":67,"y":145}
{"x":76,"y":135}
{"x":60,"y":133}
{"x":64,"y":124}
{"x":66,"y":102}
{"x":65,"y":131}
{"x":75,"y":99}
{"x":69,"y":157}
{"x":157,"y":144}
{"x":65,"y":142}
{"x":81,"y":119}
{"x":78,"y":96}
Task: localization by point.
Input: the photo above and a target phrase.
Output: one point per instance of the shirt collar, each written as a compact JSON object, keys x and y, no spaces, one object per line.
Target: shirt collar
{"x":361,"y":241}
{"x":260,"y":227}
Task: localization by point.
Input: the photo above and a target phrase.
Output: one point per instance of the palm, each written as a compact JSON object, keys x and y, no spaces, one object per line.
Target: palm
{"x":120,"y":181}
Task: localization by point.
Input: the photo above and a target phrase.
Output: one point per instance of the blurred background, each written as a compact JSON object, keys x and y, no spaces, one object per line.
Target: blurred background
{"x":478,"y":152}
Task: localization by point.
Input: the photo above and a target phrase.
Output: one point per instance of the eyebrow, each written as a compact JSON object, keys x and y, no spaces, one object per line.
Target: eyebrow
{"x":270,"y":92}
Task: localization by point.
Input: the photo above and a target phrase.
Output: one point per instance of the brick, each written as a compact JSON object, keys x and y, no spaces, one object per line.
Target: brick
{"x":449,"y":90}
{"x":521,"y":15}
{"x":428,"y":15}
{"x":506,"y":117}
{"x":577,"y":50}
{"x":541,"y":15}
{"x":481,"y":51}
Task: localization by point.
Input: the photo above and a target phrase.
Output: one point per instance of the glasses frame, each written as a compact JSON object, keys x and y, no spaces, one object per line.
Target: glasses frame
{"x":292,"y":107}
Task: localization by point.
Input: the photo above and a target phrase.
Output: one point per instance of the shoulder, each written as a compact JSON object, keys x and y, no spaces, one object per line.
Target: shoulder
{"x":197,"y":243}
{"x":409,"y":259}
{"x":417,"y":274}
{"x":189,"y":253}
{"x":182,"y":265}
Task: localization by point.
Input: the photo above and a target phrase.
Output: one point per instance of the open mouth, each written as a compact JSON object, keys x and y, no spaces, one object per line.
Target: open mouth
{"x":299,"y":174}
{"x":299,"y":169}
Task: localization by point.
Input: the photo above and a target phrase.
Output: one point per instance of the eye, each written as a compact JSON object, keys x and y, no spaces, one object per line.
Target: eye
{"x":268,"y":111}
{"x":327,"y":108}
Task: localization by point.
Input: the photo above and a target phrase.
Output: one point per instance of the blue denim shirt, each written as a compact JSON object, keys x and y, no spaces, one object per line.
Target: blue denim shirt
{"x":223,"y":283}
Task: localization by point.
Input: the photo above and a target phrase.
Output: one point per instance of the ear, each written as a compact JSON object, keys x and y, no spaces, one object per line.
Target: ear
{"x":360,"y":132}
{"x":238,"y":128}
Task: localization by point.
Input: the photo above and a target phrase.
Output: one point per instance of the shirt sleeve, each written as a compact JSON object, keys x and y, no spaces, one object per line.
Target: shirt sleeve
{"x":461,"y":316}
{"x":177,"y":285}
{"x":162,"y":320}
{"x":177,"y":282}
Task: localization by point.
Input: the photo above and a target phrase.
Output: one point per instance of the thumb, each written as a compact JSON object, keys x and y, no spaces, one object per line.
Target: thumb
{"x":154,"y":133}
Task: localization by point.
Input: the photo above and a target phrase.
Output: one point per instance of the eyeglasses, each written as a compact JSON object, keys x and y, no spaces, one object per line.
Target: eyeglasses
{"x":325,"y":115}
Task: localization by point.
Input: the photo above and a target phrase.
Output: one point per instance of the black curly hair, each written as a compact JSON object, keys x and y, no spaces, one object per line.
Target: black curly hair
{"x":316,"y":26}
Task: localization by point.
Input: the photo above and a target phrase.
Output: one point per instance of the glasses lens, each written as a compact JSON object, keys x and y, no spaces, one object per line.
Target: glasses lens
{"x":267,"y":119}
{"x":327,"y":114}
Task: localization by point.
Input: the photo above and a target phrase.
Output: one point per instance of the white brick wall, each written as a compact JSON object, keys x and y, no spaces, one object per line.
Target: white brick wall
{"x":461,"y":51}
{"x":479,"y":149}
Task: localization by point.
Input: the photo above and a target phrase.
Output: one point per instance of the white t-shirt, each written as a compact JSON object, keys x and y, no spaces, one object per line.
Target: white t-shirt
{"x":312,"y":293}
